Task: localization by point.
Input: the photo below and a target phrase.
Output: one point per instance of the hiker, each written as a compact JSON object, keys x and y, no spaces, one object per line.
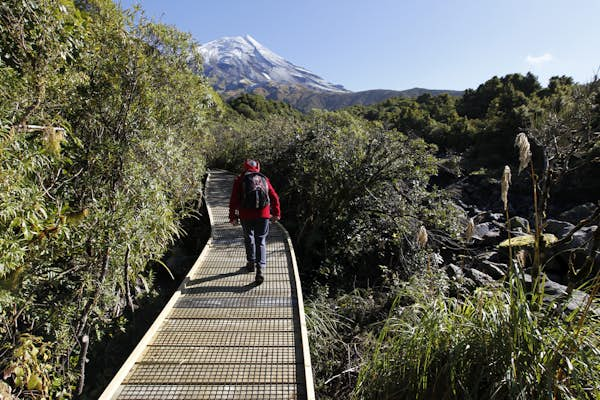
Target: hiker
{"x":257,"y":202}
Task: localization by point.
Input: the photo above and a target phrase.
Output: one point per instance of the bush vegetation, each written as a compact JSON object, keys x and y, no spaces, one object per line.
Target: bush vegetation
{"x":102,"y":149}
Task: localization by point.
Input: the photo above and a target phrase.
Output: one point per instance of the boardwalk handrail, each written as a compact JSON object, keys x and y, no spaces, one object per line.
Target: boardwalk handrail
{"x":310,"y":389}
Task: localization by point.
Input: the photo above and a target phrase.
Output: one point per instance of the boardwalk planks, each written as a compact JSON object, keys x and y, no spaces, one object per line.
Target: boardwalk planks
{"x":221,"y":336}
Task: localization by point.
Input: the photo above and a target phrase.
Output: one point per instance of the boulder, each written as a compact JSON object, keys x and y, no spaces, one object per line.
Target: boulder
{"x":469,"y":208}
{"x":519,"y":224}
{"x":480,"y":278}
{"x":576,"y":214}
{"x":574,"y":252}
{"x":558,"y":228}
{"x":488,"y":233}
{"x":554,"y":291}
{"x":454,"y":271}
{"x":583,"y":237}
{"x":492,"y":269}
{"x":493,"y":256}
{"x":496,"y":217}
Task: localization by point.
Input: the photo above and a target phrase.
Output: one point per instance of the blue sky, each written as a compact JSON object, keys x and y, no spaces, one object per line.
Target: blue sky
{"x":400,"y":44}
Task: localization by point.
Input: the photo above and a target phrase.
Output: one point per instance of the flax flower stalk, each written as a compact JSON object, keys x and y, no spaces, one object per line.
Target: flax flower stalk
{"x":470,"y":230}
{"x":504,"y":185}
{"x":422,"y":237}
{"x":524,"y":150}
{"x":522,"y":143}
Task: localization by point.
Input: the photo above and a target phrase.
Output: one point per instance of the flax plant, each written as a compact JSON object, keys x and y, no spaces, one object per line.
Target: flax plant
{"x":522,"y":143}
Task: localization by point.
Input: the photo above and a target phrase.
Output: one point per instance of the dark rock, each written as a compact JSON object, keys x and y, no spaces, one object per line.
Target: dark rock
{"x":493,"y":256}
{"x":558,"y":228}
{"x":519,"y":224}
{"x":583,"y":237}
{"x":574,"y":252}
{"x":554,"y":291}
{"x":558,"y":277}
{"x":480,"y":278}
{"x":492,"y":269}
{"x":454,"y":271}
{"x":576,"y":214}
{"x":488,"y":233}
{"x":557,"y":268}
{"x":496,"y":216}
{"x":469,"y":208}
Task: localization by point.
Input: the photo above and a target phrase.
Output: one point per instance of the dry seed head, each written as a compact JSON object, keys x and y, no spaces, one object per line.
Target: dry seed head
{"x":76,"y":217}
{"x":470,"y":229}
{"x":521,"y":258}
{"x":505,"y":185}
{"x":52,"y":139}
{"x":422,"y":236}
{"x":524,"y":151}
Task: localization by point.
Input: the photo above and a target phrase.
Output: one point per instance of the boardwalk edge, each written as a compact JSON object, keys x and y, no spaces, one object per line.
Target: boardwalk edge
{"x":114,"y":387}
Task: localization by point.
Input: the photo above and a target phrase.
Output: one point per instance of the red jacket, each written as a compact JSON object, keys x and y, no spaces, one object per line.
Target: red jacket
{"x":250,"y":213}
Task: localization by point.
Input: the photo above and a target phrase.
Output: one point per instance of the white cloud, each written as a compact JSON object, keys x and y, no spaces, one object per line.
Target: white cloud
{"x":537,"y":60}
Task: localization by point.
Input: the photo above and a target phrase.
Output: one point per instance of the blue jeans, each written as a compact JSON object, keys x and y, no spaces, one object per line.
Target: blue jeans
{"x":255,"y":239}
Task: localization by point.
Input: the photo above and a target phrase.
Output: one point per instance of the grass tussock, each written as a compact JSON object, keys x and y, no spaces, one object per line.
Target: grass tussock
{"x":494,"y":344}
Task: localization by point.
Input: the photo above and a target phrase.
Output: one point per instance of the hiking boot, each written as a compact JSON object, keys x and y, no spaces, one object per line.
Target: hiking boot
{"x":250,"y":266}
{"x":259,"y":276}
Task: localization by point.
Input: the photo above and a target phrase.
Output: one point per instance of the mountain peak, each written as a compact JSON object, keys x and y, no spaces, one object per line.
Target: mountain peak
{"x":251,"y":39}
{"x":237,"y":63}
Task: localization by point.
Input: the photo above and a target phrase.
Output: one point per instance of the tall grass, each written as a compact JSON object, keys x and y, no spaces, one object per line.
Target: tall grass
{"x":490,"y":345}
{"x":336,"y":344}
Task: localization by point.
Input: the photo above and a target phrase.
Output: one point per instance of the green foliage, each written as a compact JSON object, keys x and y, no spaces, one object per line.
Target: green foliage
{"x":482,"y":124}
{"x":85,"y":207}
{"x":475,"y":104}
{"x":341,"y":333}
{"x":30,"y":369}
{"x":254,"y":107}
{"x":433,"y":118}
{"x":355,"y":187}
{"x":493,"y":344}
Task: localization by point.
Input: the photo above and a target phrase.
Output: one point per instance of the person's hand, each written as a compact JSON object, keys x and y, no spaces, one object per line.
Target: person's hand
{"x":234,"y":221}
{"x":275,"y":219}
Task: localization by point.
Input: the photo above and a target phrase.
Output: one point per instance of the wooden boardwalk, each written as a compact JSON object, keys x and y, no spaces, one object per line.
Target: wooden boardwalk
{"x":221,"y":336}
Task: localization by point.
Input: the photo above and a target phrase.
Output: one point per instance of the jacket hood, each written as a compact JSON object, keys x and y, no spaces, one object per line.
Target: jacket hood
{"x":251,"y":166}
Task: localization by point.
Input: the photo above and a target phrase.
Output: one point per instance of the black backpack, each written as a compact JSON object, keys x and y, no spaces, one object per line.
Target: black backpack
{"x":255,"y":191}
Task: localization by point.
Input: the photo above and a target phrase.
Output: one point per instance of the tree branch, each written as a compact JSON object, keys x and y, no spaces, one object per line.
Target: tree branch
{"x":594,"y":218}
{"x":85,"y":340}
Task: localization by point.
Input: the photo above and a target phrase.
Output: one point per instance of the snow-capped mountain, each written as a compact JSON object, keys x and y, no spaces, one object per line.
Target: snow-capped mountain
{"x":243,"y":64}
{"x":236,"y":65}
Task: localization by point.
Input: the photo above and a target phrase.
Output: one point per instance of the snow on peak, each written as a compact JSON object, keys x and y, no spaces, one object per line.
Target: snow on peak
{"x":245,"y":61}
